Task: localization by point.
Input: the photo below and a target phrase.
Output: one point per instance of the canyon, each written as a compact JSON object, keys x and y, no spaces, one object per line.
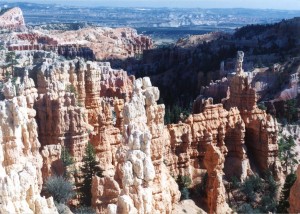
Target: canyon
{"x":50,"y":103}
{"x":76,"y":102}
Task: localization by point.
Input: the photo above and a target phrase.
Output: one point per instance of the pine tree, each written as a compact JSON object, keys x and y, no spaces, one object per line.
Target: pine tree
{"x":67,"y":160}
{"x":287,"y":155}
{"x":285,"y":193}
{"x":11,"y":60}
{"x":88,"y":170}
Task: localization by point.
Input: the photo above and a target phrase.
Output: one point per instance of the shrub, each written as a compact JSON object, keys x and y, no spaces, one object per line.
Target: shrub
{"x":268,"y":204}
{"x":62,"y":208}
{"x":84,"y":210}
{"x":185,"y":193}
{"x":183,"y":183}
{"x":285,"y":193}
{"x":235,"y":182}
{"x":251,"y":185}
{"x":60,"y":189}
{"x":246,"y":208}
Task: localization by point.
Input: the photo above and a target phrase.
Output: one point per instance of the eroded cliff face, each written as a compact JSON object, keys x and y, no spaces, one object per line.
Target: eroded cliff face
{"x":261,"y":128}
{"x":12,"y":19}
{"x":90,"y":42}
{"x":75,"y":105}
{"x":295,"y":195}
{"x":234,"y":138}
{"x":145,"y":184}
{"x":78,"y":101}
{"x":20,"y":160}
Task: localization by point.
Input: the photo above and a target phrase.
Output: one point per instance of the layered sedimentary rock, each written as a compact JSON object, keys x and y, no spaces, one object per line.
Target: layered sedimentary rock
{"x":213,"y":125}
{"x":12,"y":19}
{"x":20,"y":160}
{"x":295,"y":195}
{"x":146,"y":185}
{"x":205,"y":142}
{"x":69,"y":104}
{"x":90,"y":42}
{"x":234,"y":140}
{"x":60,"y":120}
{"x":214,"y":163}
{"x":82,"y":101}
{"x":78,"y":103}
{"x":261,"y":128}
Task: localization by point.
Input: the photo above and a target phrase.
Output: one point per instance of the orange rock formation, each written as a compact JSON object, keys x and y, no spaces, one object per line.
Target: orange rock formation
{"x":295,"y":195}
{"x":78,"y":101}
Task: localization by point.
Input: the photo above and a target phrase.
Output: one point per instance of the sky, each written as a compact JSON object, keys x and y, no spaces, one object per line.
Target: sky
{"x":257,"y":4}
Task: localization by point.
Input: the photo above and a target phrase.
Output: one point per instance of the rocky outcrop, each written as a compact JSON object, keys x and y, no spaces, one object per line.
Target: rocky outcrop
{"x":235,"y":138}
{"x":12,"y":19}
{"x":261,"y":128}
{"x":78,"y":101}
{"x":60,"y":120}
{"x":295,"y":195}
{"x":216,"y":194}
{"x":20,"y":160}
{"x":146,"y":185}
{"x":90,"y":42}
{"x":70,"y":111}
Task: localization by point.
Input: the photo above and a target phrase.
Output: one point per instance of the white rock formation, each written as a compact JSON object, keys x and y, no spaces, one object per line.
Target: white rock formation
{"x":20,"y":161}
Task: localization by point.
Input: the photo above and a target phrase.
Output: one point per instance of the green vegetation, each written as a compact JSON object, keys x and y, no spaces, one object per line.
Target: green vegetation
{"x":176,"y":113}
{"x":67,"y":160}
{"x":71,"y":88}
{"x":84,"y":210}
{"x":258,"y":194}
{"x":285,"y":193}
{"x":291,"y":111}
{"x":89,"y":169}
{"x":183,"y":183}
{"x":10,"y":58}
{"x":262,"y":106}
{"x":60,"y":189}
{"x":287,"y":155}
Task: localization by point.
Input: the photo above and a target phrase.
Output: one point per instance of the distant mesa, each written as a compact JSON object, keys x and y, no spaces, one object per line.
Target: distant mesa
{"x":12,"y":19}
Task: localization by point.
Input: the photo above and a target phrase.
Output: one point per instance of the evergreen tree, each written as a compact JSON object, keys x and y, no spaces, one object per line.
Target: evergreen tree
{"x":291,"y":110}
{"x":287,"y":155}
{"x":67,"y":160}
{"x":183,"y":183}
{"x":10,"y":58}
{"x":285,"y":193}
{"x":89,"y":169}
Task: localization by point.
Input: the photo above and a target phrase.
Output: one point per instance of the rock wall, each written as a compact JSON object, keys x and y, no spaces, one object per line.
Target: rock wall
{"x":295,"y":195}
{"x":90,"y":42}
{"x":78,"y":101}
{"x":261,"y":128}
{"x":20,"y":160}
{"x":12,"y":19}
{"x":234,"y":138}
{"x":145,"y":183}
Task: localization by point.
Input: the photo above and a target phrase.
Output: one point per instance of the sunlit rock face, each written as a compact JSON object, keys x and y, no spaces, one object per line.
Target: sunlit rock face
{"x":12,"y":19}
{"x":75,"y":102}
{"x":261,"y":128}
{"x":20,"y":160}
{"x":224,"y":139}
{"x":146,"y":185}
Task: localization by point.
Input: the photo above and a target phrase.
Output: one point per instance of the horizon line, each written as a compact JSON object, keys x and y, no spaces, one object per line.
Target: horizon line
{"x":147,"y":7}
